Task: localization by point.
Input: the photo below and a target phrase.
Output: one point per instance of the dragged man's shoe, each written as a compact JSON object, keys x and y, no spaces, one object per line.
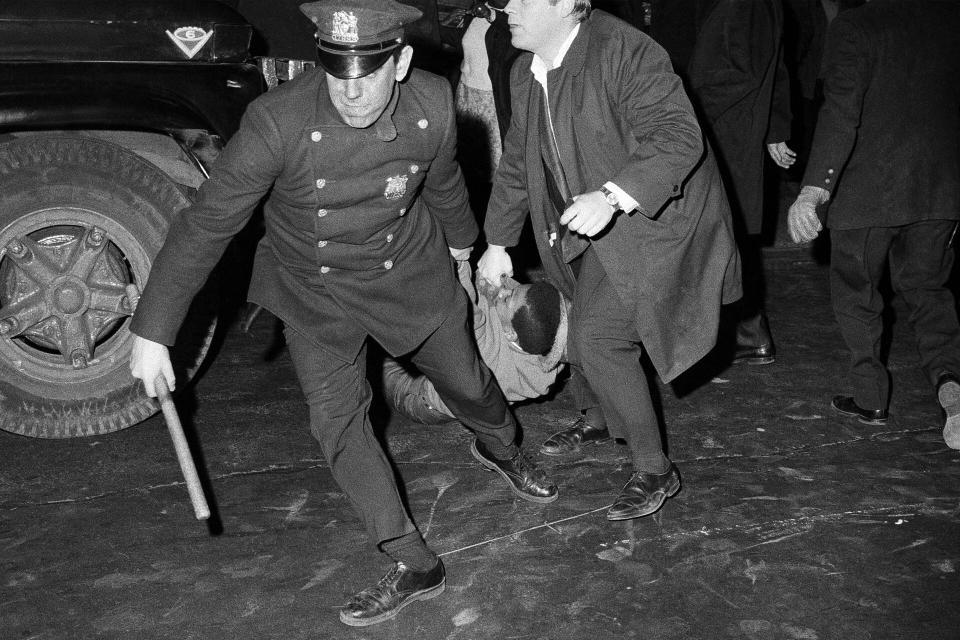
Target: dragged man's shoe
{"x":948,"y":393}
{"x":520,"y":472}
{"x":750,"y":354}
{"x":644,"y":494}
{"x":400,"y":587}
{"x":848,"y":407}
{"x":571,"y":439}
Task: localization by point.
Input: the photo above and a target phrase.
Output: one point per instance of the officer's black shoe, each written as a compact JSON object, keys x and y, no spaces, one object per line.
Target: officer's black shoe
{"x":400,"y":587}
{"x":573,"y":437}
{"x":644,"y":494}
{"x":948,"y":393}
{"x":750,"y":354}
{"x":846,"y":406}
{"x":520,"y":472}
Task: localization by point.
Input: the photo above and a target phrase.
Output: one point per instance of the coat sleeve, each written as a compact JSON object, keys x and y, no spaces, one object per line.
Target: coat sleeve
{"x":199,"y":234}
{"x":846,"y":76}
{"x":444,"y":191}
{"x":507,"y":207}
{"x":668,"y":141}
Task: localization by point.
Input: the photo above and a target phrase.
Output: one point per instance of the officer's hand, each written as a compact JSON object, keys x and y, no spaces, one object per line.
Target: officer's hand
{"x":494,"y":265}
{"x":802,"y":219}
{"x":460,"y":254}
{"x":589,"y":214}
{"x":783,"y":155}
{"x":147,"y":361}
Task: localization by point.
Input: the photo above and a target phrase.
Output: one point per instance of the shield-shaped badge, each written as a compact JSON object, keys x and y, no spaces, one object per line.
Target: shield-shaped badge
{"x":344,"y":27}
{"x":396,"y":187}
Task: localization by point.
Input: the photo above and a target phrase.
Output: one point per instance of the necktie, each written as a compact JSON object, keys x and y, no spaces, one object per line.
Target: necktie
{"x":557,"y":187}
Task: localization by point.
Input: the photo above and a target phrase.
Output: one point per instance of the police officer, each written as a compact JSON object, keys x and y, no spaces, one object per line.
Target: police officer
{"x":365,"y":198}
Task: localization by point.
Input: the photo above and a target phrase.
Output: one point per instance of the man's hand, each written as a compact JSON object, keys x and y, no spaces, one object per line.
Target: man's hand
{"x":494,"y":265}
{"x":783,"y":155}
{"x":148,"y":360}
{"x":589,"y":214}
{"x":802,"y":219}
{"x":460,"y":254}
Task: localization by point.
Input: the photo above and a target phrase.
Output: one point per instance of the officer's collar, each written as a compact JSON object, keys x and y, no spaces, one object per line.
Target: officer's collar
{"x":384,"y":128}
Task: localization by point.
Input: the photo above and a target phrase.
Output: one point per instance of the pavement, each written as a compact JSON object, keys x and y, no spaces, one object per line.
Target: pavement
{"x":793,"y":522}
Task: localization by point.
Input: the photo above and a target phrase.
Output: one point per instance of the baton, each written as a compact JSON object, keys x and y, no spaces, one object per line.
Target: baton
{"x":187,"y":467}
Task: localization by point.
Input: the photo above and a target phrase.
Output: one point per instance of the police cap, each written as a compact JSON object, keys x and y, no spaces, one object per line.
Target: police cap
{"x":355,"y":37}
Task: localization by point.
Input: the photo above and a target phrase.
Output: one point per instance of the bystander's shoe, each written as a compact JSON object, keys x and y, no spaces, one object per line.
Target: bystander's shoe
{"x":400,"y":587}
{"x":520,"y":472}
{"x":948,"y":393}
{"x":571,"y":439}
{"x":846,"y":405}
{"x":750,"y":354}
{"x":644,"y":494}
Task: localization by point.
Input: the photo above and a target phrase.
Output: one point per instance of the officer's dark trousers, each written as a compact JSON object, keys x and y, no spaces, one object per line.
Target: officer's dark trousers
{"x":605,"y":344}
{"x":920,"y":262}
{"x":339,"y":395}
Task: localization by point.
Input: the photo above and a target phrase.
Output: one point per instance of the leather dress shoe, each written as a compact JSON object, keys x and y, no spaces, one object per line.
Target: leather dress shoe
{"x":948,"y":393}
{"x":520,"y":472}
{"x":400,"y":587}
{"x":644,"y":494}
{"x":573,"y":437}
{"x":848,"y":407}
{"x":752,"y":354}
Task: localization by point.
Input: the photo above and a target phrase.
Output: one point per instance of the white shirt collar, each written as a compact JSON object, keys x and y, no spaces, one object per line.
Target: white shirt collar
{"x":539,"y":68}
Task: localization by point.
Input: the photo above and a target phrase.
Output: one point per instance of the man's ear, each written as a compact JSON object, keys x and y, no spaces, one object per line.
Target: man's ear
{"x":509,"y":333}
{"x":566,"y":7}
{"x":403,"y":62}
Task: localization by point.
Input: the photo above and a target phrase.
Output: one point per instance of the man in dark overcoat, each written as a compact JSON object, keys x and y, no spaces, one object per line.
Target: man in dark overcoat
{"x":365,"y":198}
{"x":739,"y":82}
{"x":886,"y":155}
{"x":628,"y":211}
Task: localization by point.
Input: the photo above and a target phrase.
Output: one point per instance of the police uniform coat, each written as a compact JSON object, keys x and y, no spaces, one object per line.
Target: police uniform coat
{"x":887,"y":143}
{"x":739,"y":81}
{"x":357,"y":221}
{"x":674,"y":261}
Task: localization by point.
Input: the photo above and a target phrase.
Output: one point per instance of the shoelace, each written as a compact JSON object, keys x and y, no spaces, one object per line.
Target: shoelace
{"x":378,"y":594}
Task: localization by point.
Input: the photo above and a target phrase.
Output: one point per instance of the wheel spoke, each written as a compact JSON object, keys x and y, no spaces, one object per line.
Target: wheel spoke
{"x":86,"y":253}
{"x":75,"y":343}
{"x":110,"y":299}
{"x":31,"y":262}
{"x":27,"y":312}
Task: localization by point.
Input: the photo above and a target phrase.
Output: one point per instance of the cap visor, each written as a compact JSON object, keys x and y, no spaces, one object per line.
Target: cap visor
{"x":347,"y":67}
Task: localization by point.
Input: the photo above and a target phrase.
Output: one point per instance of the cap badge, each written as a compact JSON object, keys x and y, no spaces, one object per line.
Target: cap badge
{"x":396,"y":187}
{"x":189,"y":39}
{"x":344,"y":28}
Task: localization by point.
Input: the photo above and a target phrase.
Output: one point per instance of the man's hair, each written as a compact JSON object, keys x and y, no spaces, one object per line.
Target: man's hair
{"x":581,"y":9}
{"x":537,"y":321}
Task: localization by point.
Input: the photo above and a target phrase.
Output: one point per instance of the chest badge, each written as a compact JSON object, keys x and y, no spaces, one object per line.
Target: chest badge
{"x":396,"y":187}
{"x":189,"y":39}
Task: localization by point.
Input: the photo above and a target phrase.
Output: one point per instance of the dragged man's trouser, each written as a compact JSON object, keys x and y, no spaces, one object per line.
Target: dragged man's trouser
{"x":338,"y":395}
{"x":920,"y":261}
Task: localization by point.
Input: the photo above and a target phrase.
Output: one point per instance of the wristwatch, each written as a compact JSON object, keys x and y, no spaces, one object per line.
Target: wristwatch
{"x":610,"y":197}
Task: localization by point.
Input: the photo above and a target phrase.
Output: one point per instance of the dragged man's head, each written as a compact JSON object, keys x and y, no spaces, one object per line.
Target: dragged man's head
{"x":531,"y":315}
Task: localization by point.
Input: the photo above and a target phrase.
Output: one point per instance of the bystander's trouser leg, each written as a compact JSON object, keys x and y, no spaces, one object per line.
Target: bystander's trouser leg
{"x":857,"y":263}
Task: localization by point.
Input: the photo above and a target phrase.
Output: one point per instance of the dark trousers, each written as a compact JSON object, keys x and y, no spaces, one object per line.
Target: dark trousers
{"x":338,"y":395}
{"x":920,"y":261}
{"x":604,"y":345}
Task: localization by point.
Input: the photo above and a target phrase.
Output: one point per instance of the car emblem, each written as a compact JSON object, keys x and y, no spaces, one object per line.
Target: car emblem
{"x":344,"y":27}
{"x":189,"y":39}
{"x":396,"y":187}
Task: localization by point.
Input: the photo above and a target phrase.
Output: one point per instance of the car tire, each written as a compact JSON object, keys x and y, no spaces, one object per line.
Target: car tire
{"x":81,"y":220}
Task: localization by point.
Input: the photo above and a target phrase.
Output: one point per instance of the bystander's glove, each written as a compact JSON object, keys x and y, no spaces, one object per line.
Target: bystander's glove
{"x":802,"y":219}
